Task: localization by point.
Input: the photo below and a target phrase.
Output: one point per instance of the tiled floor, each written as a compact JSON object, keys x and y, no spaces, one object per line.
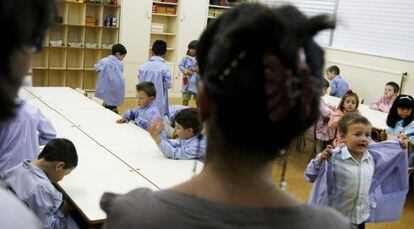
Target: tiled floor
{"x":300,"y":188}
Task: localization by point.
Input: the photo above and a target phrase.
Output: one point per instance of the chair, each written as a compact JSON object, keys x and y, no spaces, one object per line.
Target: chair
{"x":82,"y":92}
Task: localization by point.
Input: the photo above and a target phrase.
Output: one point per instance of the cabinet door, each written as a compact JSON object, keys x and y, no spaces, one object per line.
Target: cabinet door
{"x":136,"y":28}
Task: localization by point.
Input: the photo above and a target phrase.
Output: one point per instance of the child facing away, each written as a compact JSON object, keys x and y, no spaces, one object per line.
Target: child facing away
{"x":385,"y":102}
{"x":21,"y":136}
{"x":157,"y":72}
{"x":323,"y":133}
{"x":190,"y":143}
{"x":338,"y":85}
{"x":365,"y":182}
{"x":189,"y":68}
{"x":32,"y":182}
{"x":110,"y":86}
{"x":400,"y":123}
{"x":348,"y":104}
{"x":146,"y":112}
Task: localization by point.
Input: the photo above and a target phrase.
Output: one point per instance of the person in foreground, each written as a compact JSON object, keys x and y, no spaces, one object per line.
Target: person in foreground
{"x":260,"y":62}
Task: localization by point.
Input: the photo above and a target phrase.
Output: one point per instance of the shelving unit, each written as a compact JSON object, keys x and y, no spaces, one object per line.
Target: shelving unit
{"x":164,"y":26}
{"x":74,"y":44}
{"x":216,"y":10}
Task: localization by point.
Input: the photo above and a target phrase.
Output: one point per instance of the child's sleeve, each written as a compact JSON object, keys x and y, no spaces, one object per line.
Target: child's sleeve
{"x":45,"y":129}
{"x":325,"y":110}
{"x":313,"y":169}
{"x":166,"y":78}
{"x":375,"y":105}
{"x":384,"y":107}
{"x":130,"y":114}
{"x":181,"y":66}
{"x":333,"y":121}
{"x":173,"y":150}
{"x":99,"y":66}
{"x":334,"y":88}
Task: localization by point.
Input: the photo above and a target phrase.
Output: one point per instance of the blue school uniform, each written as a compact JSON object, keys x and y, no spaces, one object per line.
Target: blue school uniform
{"x":110,"y":86}
{"x":172,"y":112}
{"x":190,"y":82}
{"x":389,"y":184}
{"x":183,"y":149}
{"x":34,"y":188}
{"x":21,"y":136}
{"x":407,"y":131}
{"x":157,"y":72}
{"x":338,"y":86}
{"x":143,"y":117}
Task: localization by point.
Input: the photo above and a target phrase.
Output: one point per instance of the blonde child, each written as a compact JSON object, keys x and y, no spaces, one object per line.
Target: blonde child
{"x":364,"y":182}
{"x":189,"y":68}
{"x":349,"y":104}
{"x":385,"y":102}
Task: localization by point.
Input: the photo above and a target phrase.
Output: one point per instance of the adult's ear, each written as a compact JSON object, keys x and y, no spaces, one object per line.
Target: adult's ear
{"x":203,"y":103}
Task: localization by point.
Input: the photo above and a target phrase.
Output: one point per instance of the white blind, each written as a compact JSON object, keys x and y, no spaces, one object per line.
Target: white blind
{"x":312,"y":8}
{"x":377,"y":27}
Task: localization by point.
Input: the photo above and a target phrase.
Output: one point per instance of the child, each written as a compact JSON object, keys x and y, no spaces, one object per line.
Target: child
{"x":349,"y":103}
{"x":110,"y":86}
{"x":385,"y":102}
{"x":157,"y":72}
{"x":363,"y":182}
{"x":169,"y":123}
{"x":189,"y":68}
{"x":32,"y":181}
{"x":21,"y":136}
{"x":322,"y":131}
{"x":400,"y":122}
{"x":190,"y":144}
{"x":338,"y":85}
{"x":147,"y":112}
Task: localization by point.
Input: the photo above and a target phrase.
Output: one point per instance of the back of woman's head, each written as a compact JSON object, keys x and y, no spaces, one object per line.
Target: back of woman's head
{"x":402,"y":101}
{"x":25,"y":22}
{"x":262,"y":72}
{"x":348,"y":94}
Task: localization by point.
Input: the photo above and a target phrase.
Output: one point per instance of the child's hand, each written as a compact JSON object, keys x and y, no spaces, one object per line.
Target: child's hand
{"x":383,"y":136}
{"x":189,"y":72}
{"x":155,"y":129}
{"x":326,"y":154}
{"x":404,"y":141}
{"x":332,"y":107}
{"x":122,"y":120}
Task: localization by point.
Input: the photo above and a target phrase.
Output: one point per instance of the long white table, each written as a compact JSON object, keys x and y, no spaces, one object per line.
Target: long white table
{"x":112,"y":157}
{"x":378,"y":119}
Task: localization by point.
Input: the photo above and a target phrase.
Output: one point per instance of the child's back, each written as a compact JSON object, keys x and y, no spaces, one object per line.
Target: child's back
{"x":143,"y":117}
{"x":338,"y":85}
{"x":20,"y":137}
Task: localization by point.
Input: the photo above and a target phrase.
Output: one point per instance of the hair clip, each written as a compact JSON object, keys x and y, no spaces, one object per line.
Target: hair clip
{"x":405,"y":97}
{"x":350,"y":90}
{"x":232,"y":66}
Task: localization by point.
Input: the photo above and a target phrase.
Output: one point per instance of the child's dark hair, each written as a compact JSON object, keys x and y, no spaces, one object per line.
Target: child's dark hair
{"x":349,"y":119}
{"x":250,"y":55}
{"x":334,"y":68}
{"x":159,"y":47}
{"x":148,"y":88}
{"x":119,"y":48}
{"x":402,"y":101}
{"x":62,"y":150}
{"x":25,"y":22}
{"x":325,"y":83}
{"x":349,"y":93}
{"x":192,"y":45}
{"x":188,"y":118}
{"x":394,"y":86}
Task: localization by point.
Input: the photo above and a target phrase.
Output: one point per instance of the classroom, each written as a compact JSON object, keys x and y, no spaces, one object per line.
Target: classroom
{"x":207,"y":114}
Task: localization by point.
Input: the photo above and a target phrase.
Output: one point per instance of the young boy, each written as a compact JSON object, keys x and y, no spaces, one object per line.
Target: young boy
{"x":110,"y":86}
{"x":338,"y":85}
{"x":157,"y":72}
{"x":364,"y":182}
{"x":32,"y":181}
{"x":385,"y":102}
{"x":21,"y":136}
{"x":189,"y":145}
{"x":147,"y":112}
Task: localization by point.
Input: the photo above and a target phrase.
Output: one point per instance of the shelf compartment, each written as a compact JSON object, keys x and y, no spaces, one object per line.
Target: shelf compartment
{"x":74,"y":78}
{"x":109,"y":36}
{"x":39,"y":77}
{"x":57,"y":78}
{"x":92,"y":56}
{"x":57,"y":58}
{"x":76,"y":34}
{"x":89,"y":79}
{"x":76,"y":14}
{"x":94,"y":15}
{"x":41,"y":60}
{"x":75,"y":58}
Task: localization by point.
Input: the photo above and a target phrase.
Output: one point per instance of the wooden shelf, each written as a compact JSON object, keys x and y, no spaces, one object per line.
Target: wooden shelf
{"x":74,"y":69}
{"x":89,"y":69}
{"x":220,"y":7}
{"x":165,"y":3}
{"x":166,"y":34}
{"x":164,"y":15}
{"x":39,"y":68}
{"x":57,"y":68}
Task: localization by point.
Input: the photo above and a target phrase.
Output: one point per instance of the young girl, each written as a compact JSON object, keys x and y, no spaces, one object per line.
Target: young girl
{"x":400,"y":122}
{"x":322,"y":131}
{"x":349,"y":104}
{"x":385,"y":102}
{"x":189,"y":67}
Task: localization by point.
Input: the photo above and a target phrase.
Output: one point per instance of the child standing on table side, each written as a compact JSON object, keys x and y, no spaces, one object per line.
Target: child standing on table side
{"x":32,"y":182}
{"x":385,"y":102}
{"x":189,"y":68}
{"x":189,"y":143}
{"x":365,"y":182}
{"x":338,"y":85}
{"x":156,"y":71}
{"x":146,"y":112}
{"x":110,"y":86}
